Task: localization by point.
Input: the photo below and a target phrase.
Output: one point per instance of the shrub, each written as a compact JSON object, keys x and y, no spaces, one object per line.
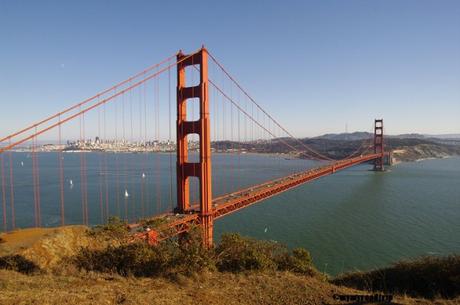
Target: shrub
{"x":187,"y":256}
{"x":18,"y":263}
{"x":298,"y":261}
{"x":114,"y":229}
{"x":427,"y":277}
{"x":141,"y":259}
{"x":138,"y":259}
{"x":192,"y":256}
{"x":236,"y":253}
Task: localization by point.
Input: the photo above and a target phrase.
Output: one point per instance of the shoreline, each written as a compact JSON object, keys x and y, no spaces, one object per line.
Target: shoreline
{"x":398,"y":161}
{"x":286,"y":156}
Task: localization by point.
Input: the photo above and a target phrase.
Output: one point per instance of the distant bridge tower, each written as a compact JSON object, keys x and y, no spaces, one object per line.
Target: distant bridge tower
{"x":201,"y":169}
{"x":378,"y":144}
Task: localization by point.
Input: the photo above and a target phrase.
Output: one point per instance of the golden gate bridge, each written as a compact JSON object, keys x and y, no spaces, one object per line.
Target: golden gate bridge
{"x":214,"y":115}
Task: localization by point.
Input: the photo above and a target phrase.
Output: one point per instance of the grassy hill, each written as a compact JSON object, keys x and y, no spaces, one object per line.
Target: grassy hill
{"x":341,"y":146}
{"x":429,"y":277}
{"x":76,"y":265}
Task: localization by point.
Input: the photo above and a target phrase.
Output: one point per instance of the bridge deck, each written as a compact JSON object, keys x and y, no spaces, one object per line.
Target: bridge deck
{"x":232,"y":202}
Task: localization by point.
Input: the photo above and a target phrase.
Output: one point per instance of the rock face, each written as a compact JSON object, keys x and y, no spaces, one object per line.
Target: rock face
{"x":423,"y":151}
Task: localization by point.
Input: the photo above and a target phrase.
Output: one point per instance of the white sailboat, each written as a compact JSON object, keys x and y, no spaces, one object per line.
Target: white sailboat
{"x":71,"y":183}
{"x":126,"y":193}
{"x":143,"y":175}
{"x":22,"y":163}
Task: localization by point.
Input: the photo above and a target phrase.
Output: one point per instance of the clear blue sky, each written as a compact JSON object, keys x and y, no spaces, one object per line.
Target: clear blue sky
{"x":316,"y":65}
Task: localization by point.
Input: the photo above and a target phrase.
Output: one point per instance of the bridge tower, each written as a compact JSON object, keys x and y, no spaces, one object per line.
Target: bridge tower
{"x":201,"y":169}
{"x":378,"y":144}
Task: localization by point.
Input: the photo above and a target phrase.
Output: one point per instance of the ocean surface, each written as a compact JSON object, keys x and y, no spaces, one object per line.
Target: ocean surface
{"x":356,"y":219}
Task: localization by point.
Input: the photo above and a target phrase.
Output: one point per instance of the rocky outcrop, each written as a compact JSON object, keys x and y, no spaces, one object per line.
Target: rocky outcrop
{"x":423,"y":151}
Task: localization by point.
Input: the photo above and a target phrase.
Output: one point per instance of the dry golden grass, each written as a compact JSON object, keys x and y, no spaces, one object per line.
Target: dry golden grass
{"x":427,"y":277}
{"x":47,"y":247}
{"x":15,"y":241}
{"x":58,"y":283}
{"x":207,"y":288}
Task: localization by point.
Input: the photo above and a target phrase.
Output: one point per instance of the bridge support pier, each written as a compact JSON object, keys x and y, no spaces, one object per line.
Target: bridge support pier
{"x":201,"y":169}
{"x":378,"y":145}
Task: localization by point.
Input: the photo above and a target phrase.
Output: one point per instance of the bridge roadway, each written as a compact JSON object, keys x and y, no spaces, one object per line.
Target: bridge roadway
{"x":229,"y":203}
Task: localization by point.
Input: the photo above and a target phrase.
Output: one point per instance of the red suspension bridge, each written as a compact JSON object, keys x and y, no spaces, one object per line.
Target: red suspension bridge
{"x":120,"y":153}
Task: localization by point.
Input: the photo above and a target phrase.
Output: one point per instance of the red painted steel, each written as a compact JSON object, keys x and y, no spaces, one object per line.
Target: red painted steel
{"x":208,"y":209}
{"x":202,"y":169}
{"x":378,"y":145}
{"x":59,"y":114}
{"x":233,"y":202}
{"x":81,"y":112}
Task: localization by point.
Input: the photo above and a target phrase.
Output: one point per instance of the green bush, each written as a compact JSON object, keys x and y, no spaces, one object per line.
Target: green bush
{"x":114,"y":229}
{"x":236,"y":253}
{"x":186,"y":256}
{"x":138,"y":259}
{"x":427,"y":277}
{"x":191,"y":255}
{"x":298,"y":261}
{"x":141,"y":259}
{"x":18,"y":263}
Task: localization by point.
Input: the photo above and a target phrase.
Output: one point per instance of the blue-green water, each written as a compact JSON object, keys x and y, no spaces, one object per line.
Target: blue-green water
{"x":359,"y":219}
{"x":355,"y":219}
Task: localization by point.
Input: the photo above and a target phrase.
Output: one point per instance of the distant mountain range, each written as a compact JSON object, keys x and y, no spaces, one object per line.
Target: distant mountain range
{"x":454,"y":136}
{"x":354,"y":136}
{"x":360,"y":135}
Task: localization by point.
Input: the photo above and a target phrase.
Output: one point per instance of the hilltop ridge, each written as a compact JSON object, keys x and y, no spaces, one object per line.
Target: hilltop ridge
{"x":339,"y":146}
{"x":38,"y":264}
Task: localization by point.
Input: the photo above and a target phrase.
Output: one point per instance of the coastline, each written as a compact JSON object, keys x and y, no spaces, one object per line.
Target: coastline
{"x":399,"y":155}
{"x":396,"y":161}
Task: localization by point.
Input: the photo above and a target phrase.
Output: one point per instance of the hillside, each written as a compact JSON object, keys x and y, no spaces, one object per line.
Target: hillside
{"x":47,"y":272}
{"x":429,"y":277}
{"x":339,"y":146}
{"x":406,"y":153}
{"x":206,"y":288}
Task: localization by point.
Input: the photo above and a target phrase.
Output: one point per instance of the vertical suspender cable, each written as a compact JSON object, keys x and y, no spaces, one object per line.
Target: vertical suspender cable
{"x":61,"y":175}
{"x":144,"y":144}
{"x":157,"y":136}
{"x":34,"y":178}
{"x":85,"y":175}
{"x":2,"y":168}
{"x":131,"y":171}
{"x":105,"y":165}
{"x":171,"y":206}
{"x":81,"y":171}
{"x":125,"y":191}
{"x":13,"y":215}
{"x":101,"y":206}
{"x":117,"y":165}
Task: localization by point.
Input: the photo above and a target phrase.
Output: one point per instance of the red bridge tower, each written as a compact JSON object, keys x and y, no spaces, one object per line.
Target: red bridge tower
{"x":378,"y":144}
{"x":201,"y":169}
